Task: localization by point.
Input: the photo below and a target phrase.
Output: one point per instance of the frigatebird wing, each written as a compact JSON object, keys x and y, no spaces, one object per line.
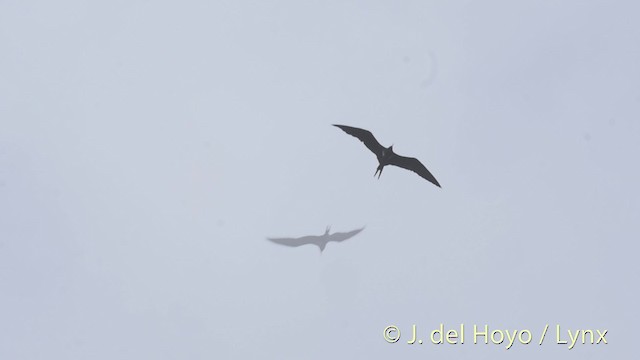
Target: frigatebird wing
{"x":294,"y":242}
{"x":414,"y":165}
{"x":342,"y":236}
{"x":365,"y":136}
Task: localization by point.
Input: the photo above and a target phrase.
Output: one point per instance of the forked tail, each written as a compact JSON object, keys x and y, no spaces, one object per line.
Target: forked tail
{"x":379,"y":171}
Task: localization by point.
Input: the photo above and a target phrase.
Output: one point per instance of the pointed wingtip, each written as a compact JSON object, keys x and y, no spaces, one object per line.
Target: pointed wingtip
{"x":434,"y":182}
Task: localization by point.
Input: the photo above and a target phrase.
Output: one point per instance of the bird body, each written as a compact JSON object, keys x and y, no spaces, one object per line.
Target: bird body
{"x":320,"y":241}
{"x":386,"y":156}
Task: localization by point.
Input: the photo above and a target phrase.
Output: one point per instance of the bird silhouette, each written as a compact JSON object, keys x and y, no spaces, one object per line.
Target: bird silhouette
{"x":320,"y":241}
{"x":386,"y":156}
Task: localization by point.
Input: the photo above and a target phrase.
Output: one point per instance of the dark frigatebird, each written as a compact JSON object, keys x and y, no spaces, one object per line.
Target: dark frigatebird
{"x":320,"y":241}
{"x":386,"y":156}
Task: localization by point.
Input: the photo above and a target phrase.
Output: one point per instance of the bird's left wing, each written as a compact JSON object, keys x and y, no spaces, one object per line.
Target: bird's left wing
{"x":365,"y":136}
{"x":416,"y":166}
{"x":293,"y":242}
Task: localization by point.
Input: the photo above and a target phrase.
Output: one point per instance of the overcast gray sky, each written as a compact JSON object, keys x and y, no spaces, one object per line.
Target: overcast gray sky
{"x":148,"y":148}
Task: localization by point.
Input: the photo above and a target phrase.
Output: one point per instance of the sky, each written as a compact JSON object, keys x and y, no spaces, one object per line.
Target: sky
{"x":149,"y":149}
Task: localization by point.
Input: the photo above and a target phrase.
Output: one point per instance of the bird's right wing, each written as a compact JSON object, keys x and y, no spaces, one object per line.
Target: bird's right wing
{"x":342,"y":236}
{"x":365,"y":136}
{"x":416,"y":166}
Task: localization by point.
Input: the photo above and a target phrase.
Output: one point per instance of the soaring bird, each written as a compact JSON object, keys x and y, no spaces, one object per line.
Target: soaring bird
{"x":320,"y":241}
{"x":386,"y":156}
